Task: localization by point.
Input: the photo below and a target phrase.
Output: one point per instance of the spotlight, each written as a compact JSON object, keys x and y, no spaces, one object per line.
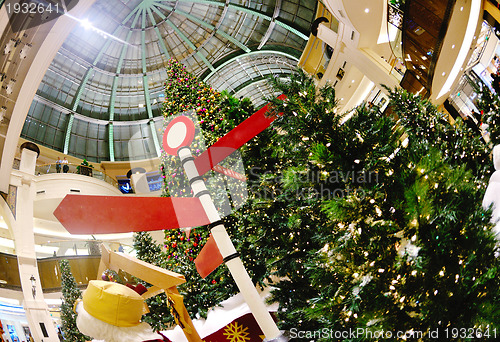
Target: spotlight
{"x":86,"y":24}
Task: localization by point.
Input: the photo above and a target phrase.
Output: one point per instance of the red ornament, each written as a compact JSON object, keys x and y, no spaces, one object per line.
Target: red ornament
{"x":214,"y":282}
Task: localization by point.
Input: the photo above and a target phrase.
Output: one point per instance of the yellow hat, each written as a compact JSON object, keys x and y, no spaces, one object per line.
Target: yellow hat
{"x":114,"y":303}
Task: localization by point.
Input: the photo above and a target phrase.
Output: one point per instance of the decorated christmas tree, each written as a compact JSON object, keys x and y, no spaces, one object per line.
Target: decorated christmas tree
{"x":218,"y":113}
{"x":385,"y":230}
{"x":71,"y":293}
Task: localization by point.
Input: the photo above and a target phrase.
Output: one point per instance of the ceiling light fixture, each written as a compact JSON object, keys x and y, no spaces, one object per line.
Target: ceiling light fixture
{"x":88,"y":25}
{"x":367,"y":10}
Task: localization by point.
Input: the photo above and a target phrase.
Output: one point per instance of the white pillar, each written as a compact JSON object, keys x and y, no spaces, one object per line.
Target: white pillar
{"x":139,"y":182}
{"x":327,"y":35}
{"x":37,"y":312}
{"x":364,"y":62}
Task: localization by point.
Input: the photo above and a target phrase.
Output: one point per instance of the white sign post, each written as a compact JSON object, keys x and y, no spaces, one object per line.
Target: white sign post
{"x":178,"y":137}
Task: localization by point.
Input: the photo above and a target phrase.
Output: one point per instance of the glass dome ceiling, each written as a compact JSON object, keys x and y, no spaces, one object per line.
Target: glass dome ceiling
{"x":101,"y":96}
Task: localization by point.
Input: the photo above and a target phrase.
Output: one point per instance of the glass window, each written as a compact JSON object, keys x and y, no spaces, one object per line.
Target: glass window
{"x":42,"y":126}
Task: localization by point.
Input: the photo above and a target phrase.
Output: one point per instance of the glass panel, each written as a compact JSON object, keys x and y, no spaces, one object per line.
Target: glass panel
{"x":41,"y":126}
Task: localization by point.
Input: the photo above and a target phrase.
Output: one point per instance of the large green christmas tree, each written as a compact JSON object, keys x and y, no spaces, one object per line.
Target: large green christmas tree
{"x":71,"y":293}
{"x":400,"y":240}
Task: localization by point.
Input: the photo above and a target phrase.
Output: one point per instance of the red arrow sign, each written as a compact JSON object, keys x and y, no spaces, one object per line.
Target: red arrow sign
{"x":83,"y":214}
{"x":233,"y":140}
{"x":208,"y":259}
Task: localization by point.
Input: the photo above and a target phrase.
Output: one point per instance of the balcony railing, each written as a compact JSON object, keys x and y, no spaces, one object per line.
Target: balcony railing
{"x":83,"y":268}
{"x":395,"y":35}
{"x":76,"y":169}
{"x":395,"y":16}
{"x":482,"y":41}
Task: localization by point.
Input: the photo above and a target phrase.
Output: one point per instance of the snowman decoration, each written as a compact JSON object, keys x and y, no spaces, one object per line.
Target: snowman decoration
{"x":111,"y":312}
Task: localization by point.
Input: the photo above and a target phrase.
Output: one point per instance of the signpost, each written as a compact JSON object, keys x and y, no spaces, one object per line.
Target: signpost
{"x":178,"y":136}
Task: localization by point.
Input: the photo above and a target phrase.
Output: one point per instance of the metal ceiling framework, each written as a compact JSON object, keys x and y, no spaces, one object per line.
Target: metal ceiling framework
{"x":250,"y":71}
{"x":108,"y":75}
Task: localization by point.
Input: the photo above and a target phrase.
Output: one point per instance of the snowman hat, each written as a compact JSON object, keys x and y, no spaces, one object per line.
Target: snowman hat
{"x":114,"y":303}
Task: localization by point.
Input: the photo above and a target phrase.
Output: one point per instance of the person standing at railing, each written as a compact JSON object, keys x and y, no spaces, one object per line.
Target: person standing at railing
{"x":58,"y":165}
{"x":496,"y":82}
{"x":65,"y":165}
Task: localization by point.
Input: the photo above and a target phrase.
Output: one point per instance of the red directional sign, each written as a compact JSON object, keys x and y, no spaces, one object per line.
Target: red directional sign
{"x":208,"y":259}
{"x":233,"y":140}
{"x":84,"y":214}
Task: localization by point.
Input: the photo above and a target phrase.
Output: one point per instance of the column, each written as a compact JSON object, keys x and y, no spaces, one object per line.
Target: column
{"x":37,"y":312}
